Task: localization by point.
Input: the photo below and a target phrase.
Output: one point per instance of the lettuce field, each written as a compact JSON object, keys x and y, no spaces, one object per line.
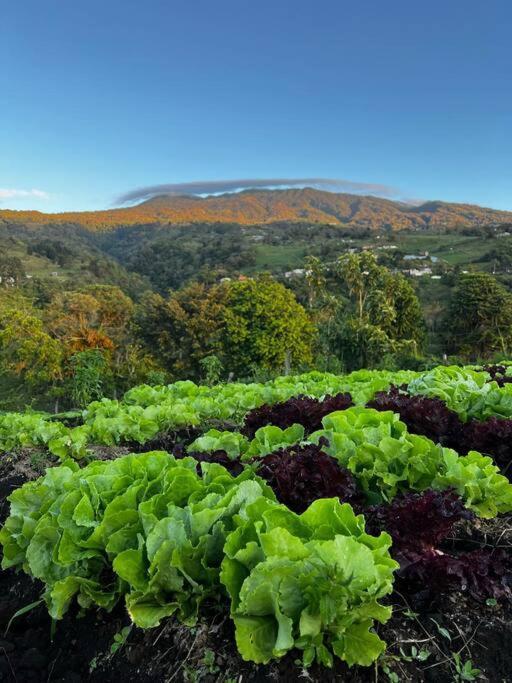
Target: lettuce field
{"x":315,"y":527}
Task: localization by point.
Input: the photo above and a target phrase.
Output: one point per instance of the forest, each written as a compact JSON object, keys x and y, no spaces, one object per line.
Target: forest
{"x":86,"y":314}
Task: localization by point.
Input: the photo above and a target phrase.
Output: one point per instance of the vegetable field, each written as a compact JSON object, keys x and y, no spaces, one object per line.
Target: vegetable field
{"x":315,"y":527}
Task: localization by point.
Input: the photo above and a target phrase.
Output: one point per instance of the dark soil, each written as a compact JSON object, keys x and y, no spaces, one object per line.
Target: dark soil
{"x":421,"y":642}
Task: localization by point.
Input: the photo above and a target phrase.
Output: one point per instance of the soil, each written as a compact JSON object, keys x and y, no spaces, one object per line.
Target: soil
{"x":421,"y":642}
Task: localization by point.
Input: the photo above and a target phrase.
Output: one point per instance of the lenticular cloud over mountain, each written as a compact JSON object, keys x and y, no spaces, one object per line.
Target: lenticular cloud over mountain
{"x":210,"y":187}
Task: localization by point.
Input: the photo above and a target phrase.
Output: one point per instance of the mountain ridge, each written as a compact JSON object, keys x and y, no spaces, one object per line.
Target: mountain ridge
{"x":264,"y":207}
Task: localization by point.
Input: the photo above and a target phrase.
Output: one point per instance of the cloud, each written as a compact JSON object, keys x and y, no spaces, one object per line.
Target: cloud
{"x":22,"y":194}
{"x":209,"y":187}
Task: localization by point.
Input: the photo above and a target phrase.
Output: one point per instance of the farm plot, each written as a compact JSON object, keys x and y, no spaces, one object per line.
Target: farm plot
{"x":337,"y":528}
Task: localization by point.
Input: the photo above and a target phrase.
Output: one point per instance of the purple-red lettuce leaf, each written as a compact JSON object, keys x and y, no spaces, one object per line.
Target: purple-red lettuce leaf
{"x":429,"y":417}
{"x":300,"y":475}
{"x":421,"y":526}
{"x":302,"y":410}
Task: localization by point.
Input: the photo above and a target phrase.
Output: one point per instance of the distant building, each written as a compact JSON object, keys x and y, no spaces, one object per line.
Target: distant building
{"x":418,"y":272}
{"x":296,"y":272}
{"x":416,"y":257}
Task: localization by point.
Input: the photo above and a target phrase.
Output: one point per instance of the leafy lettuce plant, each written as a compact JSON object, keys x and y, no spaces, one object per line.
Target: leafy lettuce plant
{"x":233,"y":465}
{"x":146,"y":527}
{"x":145,"y":411}
{"x":299,"y":475}
{"x":421,"y":525}
{"x":233,"y":443}
{"x":492,"y":437}
{"x":150,"y":529}
{"x":383,"y":457}
{"x":311,"y":581}
{"x":303,"y":410}
{"x":466,"y":391}
{"x":429,"y":417}
{"x":386,"y":460}
{"x":28,"y":429}
{"x":269,"y":439}
{"x":72,"y":444}
{"x":499,"y":373}
{"x":266,"y":440}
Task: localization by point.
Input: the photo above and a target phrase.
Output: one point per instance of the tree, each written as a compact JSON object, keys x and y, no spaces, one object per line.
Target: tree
{"x":26,"y":351}
{"x":500,"y":258}
{"x":54,"y":250}
{"x":173,"y":260}
{"x":183,"y":329}
{"x":398,"y":308}
{"x":379,"y":313}
{"x":361,"y":275}
{"x":359,"y":343}
{"x":115,"y":311}
{"x":30,"y":360}
{"x":97,"y":322}
{"x":115,"y":308}
{"x":479,"y":317}
{"x":12,"y":271}
{"x":315,"y":279}
{"x":240,"y":324}
{"x":73,"y":318}
{"x":264,"y":326}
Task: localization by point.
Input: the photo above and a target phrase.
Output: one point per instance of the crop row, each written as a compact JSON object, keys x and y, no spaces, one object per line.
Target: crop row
{"x":146,"y":412}
{"x":278,"y":540}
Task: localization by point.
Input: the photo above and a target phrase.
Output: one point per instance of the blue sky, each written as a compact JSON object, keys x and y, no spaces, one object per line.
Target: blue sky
{"x":101,"y":97}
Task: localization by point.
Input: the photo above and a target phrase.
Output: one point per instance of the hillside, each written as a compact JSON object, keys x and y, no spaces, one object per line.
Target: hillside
{"x":64,"y":261}
{"x":253,"y":207}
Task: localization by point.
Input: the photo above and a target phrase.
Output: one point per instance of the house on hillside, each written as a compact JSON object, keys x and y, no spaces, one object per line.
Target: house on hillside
{"x":296,"y":272}
{"x":418,"y":272}
{"x":416,"y":257}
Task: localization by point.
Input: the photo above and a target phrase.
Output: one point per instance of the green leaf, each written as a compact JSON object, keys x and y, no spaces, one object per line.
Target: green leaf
{"x":145,"y":612}
{"x":21,"y":612}
{"x":130,"y":566}
{"x":359,"y":645}
{"x":256,"y":638}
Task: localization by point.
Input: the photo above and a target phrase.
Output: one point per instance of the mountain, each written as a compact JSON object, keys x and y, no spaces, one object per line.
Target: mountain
{"x":260,"y":207}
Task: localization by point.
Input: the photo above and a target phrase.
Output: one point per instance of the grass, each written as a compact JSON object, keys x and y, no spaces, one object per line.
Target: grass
{"x":36,"y":266}
{"x":286,"y":256}
{"x":452,"y":248}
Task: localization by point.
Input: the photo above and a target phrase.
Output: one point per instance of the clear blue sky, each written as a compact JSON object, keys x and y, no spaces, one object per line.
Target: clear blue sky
{"x":99,"y":97}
